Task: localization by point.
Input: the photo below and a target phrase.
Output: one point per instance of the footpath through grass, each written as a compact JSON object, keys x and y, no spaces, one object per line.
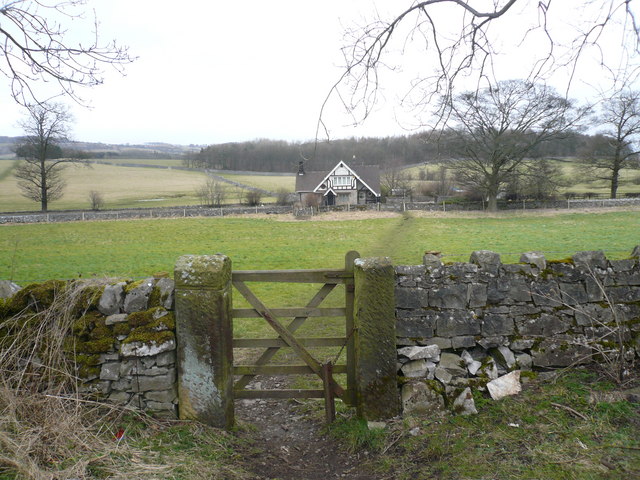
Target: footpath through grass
{"x":141,"y":248}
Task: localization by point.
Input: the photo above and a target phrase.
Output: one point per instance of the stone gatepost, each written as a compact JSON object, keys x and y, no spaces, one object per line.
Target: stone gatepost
{"x":375,"y":339}
{"x":204,"y":337}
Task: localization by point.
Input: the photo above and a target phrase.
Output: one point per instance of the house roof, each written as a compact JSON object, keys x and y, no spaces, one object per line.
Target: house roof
{"x":367,"y":174}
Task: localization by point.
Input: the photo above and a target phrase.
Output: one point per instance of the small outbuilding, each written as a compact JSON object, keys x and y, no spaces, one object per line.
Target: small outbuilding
{"x":342,"y":185}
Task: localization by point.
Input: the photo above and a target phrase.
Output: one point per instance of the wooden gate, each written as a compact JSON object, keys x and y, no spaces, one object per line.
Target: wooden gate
{"x":329,"y":280}
{"x":205,"y":343}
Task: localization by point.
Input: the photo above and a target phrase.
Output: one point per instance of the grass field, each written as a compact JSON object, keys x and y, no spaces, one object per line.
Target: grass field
{"x":120,"y":186}
{"x":163,"y":162}
{"x":527,"y":436}
{"x":130,"y":187}
{"x":572,"y":179}
{"x":141,"y":247}
{"x":272,"y":183}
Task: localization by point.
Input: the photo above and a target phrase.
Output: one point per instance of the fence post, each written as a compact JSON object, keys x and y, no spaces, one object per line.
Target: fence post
{"x":204,"y":338}
{"x":375,"y":339}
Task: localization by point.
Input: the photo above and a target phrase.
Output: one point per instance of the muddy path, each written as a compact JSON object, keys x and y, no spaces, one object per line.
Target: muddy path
{"x":287,"y":443}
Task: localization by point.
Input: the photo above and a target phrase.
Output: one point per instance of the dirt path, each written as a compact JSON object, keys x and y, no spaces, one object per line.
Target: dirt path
{"x":288,"y":445}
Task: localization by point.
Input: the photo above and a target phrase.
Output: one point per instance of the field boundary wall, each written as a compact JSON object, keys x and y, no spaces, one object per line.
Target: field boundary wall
{"x":458,"y":325}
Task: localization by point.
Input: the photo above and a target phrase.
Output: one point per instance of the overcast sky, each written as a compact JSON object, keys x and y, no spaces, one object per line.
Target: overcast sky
{"x":220,"y":71}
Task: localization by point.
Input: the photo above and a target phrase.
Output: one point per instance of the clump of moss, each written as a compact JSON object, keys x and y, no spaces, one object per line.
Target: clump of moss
{"x":132,"y":285}
{"x":102,"y":345}
{"x":83,"y":326}
{"x":88,"y":300}
{"x":155,"y":298}
{"x":91,"y":335}
{"x":90,"y":360}
{"x":568,"y":260}
{"x":88,"y":371}
{"x":4,"y":309}
{"x":35,"y":297}
{"x":144,"y":335}
{"x":139,"y":319}
{"x":121,"y":329}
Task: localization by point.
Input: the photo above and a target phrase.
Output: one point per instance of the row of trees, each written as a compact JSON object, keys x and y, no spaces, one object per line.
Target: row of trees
{"x":495,"y":138}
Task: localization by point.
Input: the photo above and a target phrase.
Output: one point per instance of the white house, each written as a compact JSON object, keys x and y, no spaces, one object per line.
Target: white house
{"x":342,"y":185}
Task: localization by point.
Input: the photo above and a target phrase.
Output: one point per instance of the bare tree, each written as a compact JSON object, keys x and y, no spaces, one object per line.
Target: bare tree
{"x":35,"y":46}
{"x":212,"y":193}
{"x":253,"y":197}
{"x":438,"y":46}
{"x":394,"y":177}
{"x":40,"y":174}
{"x":499,"y":129}
{"x":617,"y":146}
{"x":96,"y":200}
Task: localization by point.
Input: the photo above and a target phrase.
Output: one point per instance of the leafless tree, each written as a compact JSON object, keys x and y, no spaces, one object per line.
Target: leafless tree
{"x":617,"y":146}
{"x":253,"y":197}
{"x":455,"y":44}
{"x":212,"y":193}
{"x":36,"y":47}
{"x":40,"y":174}
{"x":394,"y":177}
{"x":96,"y":200}
{"x":497,"y":131}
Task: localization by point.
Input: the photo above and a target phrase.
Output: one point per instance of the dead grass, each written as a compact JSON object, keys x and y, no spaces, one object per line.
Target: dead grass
{"x":50,"y":429}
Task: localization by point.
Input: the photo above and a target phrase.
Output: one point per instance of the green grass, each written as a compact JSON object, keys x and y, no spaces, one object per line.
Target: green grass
{"x":172,"y":162}
{"x":140,"y":248}
{"x":572,"y":178}
{"x":272,"y":183}
{"x":120,"y":187}
{"x":526,"y":437}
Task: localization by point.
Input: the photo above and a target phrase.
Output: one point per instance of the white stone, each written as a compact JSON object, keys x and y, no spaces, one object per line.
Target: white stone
{"x":376,"y":425}
{"x":472,"y":365}
{"x":418,"y":368}
{"x":524,"y":361}
{"x":508,"y":356}
{"x":490,"y":369}
{"x":430,"y":352}
{"x":443,"y":375}
{"x":115,"y":318}
{"x":504,"y":386}
{"x":139,"y":349}
{"x":464,"y":404}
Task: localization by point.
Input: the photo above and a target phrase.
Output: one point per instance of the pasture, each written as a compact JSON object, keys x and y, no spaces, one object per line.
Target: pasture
{"x":131,"y":187}
{"x":138,"y":248}
{"x":572,"y":179}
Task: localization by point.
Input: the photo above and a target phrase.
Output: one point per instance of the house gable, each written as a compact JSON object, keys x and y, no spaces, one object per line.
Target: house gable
{"x":343,"y":177}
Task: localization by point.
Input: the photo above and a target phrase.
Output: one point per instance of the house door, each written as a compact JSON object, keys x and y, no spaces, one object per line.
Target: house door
{"x":331,"y":198}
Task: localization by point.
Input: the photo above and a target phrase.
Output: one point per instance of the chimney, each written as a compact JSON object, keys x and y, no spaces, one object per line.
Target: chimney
{"x":300,"y":168}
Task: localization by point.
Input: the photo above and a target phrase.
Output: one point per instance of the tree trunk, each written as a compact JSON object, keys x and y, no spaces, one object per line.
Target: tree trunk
{"x":492,"y":203}
{"x":43,"y":186}
{"x":614,"y":182}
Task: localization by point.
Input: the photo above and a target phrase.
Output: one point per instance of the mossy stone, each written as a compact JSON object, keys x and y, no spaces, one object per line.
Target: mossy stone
{"x":83,"y":326}
{"x":121,"y":329}
{"x":36,"y":296}
{"x":102,"y":345}
{"x":89,"y":360}
{"x":144,"y":335}
{"x":88,"y":300}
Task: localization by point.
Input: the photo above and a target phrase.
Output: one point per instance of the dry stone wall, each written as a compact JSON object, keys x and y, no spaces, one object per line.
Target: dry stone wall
{"x":463,"y":325}
{"x":122,"y":338}
{"x":135,"y":358}
{"x":459,"y":327}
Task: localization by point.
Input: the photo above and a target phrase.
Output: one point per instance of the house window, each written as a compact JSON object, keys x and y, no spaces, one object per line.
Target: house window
{"x":342,"y":181}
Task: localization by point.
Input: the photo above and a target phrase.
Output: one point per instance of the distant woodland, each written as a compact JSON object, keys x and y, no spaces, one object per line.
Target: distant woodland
{"x":282,"y":156}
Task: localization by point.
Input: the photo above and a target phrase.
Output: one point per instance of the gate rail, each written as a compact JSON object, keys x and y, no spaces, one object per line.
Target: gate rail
{"x":204,"y":336}
{"x":330,"y":279}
